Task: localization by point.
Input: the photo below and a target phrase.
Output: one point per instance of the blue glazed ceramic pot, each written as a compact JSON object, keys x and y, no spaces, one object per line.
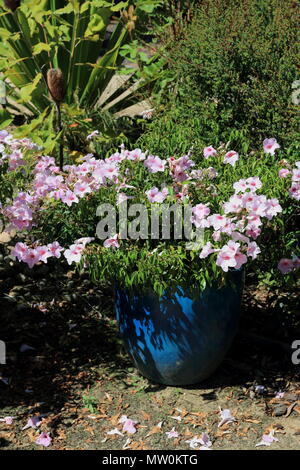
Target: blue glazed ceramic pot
{"x":182,"y":337}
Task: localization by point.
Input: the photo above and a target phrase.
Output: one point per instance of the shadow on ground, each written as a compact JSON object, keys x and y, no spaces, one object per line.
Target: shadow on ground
{"x":70,"y":324}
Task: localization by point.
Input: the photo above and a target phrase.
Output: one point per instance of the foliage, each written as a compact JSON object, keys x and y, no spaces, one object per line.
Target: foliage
{"x":41,"y":35}
{"x":231,"y":78}
{"x":56,"y":211}
{"x":80,"y":39}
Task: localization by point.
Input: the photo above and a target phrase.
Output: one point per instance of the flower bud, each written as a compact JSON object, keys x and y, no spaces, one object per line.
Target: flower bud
{"x":55,"y":82}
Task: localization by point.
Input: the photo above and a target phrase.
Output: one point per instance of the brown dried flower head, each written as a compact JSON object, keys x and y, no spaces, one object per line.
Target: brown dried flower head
{"x":12,"y":4}
{"x":56,"y":85}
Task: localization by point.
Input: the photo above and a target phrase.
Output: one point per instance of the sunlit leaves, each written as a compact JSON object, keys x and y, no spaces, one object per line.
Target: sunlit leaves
{"x":95,"y":25}
{"x":27,"y":91}
{"x":5,"y":119}
{"x":41,"y":47}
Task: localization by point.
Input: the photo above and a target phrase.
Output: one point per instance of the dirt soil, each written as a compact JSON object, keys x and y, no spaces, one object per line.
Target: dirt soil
{"x":79,"y":379}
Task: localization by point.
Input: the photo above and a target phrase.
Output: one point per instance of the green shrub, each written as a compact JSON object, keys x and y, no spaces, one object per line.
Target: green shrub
{"x":51,"y":209}
{"x":233,"y":74}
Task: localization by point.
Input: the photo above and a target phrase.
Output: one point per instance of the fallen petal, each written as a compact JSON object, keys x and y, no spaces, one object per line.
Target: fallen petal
{"x":172,"y":434}
{"x":115,"y":431}
{"x":44,"y":439}
{"x":7,"y":419}
{"x":226,"y":417}
{"x":33,"y":422}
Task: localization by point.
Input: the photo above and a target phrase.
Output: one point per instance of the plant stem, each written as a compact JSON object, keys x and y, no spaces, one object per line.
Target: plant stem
{"x":59,"y":129}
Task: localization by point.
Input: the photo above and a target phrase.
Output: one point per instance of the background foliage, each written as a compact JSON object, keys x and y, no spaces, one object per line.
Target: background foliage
{"x":231,"y":78}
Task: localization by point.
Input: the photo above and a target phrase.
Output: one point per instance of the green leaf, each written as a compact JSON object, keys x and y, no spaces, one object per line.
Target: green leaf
{"x":76,"y":5}
{"x":67,"y":9}
{"x":120,"y":6}
{"x":23,"y":23}
{"x":95,"y":25}
{"x":27,"y":129}
{"x":148,"y":8}
{"x":5,"y":118}
{"x":27,"y":90}
{"x":42,"y":46}
{"x":5,"y":34}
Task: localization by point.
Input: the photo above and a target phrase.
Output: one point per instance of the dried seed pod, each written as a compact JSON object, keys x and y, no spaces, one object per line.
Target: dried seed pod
{"x":56,"y":85}
{"x":12,"y":4}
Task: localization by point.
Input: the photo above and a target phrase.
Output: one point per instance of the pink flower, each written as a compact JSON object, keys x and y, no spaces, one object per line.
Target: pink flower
{"x":185,"y":162}
{"x":111,"y":242}
{"x":294,"y":191}
{"x":105,"y":170}
{"x":43,"y":439}
{"x":172,"y":434}
{"x":136,"y":155}
{"x":226,"y":417}
{"x":216,"y":236}
{"x":231,"y":157}
{"x":44,"y":253}
{"x":226,"y":259}
{"x":203,"y":443}
{"x":206,"y":442}
{"x":84,"y":241}
{"x":31,"y":257}
{"x":116,"y":157}
{"x":69,"y":198}
{"x":155,"y":164}
{"x":154,"y":195}
{"x":122,"y":197}
{"x":16,"y":160}
{"x":234,"y":205}
{"x":5,"y":136}
{"x":296,"y":175}
{"x":7,"y":420}
{"x":257,"y":207}
{"x":20,"y":251}
{"x":248,"y":199}
{"x":206,"y":250}
{"x":200,"y":212}
{"x":81,"y":188}
{"x":240,"y":259}
{"x":128,"y":425}
{"x":74,"y":253}
{"x":237,"y":236}
{"x":273,"y":208}
{"x":267,"y":439}
{"x":285,"y":265}
{"x":179,"y":174}
{"x":93,"y":134}
{"x":55,"y":249}
{"x":253,"y":250}
{"x":270,"y":145}
{"x":211,"y":172}
{"x":253,"y":183}
{"x":240,"y":186}
{"x":283,"y":172}
{"x":296,"y":262}
{"x":253,"y":232}
{"x":217,"y":221}
{"x":209,"y":152}
{"x":33,"y":422}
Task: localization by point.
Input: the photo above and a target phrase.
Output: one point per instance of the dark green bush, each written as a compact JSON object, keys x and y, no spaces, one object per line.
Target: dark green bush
{"x":232,"y":78}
